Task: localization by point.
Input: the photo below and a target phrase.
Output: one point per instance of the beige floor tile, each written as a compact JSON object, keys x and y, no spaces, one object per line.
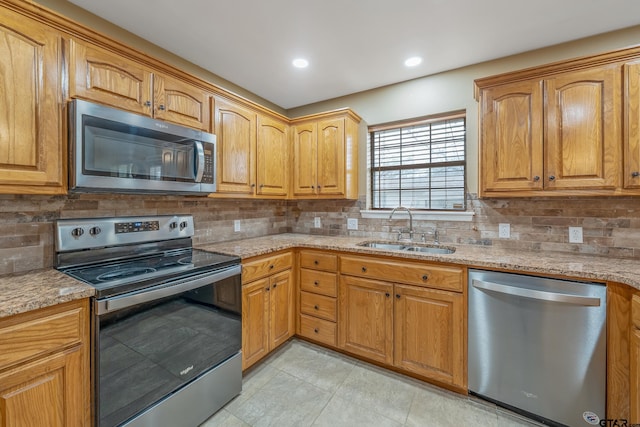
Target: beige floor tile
{"x":343,"y":413}
{"x":283,"y":401}
{"x":435,"y":408}
{"x":224,"y":418}
{"x":508,"y":419}
{"x":379,"y":390}
{"x":326,"y":370}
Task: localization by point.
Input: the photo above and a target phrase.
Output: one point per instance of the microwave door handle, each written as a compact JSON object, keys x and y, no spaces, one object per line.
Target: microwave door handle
{"x":199,"y":161}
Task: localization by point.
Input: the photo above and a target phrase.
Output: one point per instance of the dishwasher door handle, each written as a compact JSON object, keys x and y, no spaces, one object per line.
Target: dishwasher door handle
{"x":535,"y":294}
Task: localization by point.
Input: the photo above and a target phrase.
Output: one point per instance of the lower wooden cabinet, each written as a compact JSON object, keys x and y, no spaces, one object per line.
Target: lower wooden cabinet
{"x":634,"y":359}
{"x":267,"y":307}
{"x":44,"y":367}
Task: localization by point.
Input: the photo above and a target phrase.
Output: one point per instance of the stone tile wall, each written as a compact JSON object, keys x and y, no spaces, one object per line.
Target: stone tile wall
{"x":611,"y":226}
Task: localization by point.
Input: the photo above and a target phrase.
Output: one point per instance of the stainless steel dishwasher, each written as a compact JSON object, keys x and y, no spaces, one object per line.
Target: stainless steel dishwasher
{"x":538,"y":346}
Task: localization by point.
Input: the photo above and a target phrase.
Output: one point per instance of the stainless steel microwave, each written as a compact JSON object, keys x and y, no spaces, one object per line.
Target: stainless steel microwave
{"x":121,"y":152}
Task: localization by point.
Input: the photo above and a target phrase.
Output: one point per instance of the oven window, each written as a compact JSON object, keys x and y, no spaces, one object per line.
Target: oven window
{"x":147,"y":352}
{"x":117,"y":150}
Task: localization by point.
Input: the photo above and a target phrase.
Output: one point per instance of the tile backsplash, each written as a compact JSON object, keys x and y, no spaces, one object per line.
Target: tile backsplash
{"x":611,"y":226}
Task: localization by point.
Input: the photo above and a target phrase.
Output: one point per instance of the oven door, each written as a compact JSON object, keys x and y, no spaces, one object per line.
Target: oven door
{"x":152,"y":344}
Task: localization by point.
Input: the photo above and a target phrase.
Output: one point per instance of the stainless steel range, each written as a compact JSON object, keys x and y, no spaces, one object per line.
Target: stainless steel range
{"x":166,"y":319}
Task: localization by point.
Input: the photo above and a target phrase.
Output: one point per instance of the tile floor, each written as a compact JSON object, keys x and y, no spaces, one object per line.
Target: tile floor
{"x":301,"y":384}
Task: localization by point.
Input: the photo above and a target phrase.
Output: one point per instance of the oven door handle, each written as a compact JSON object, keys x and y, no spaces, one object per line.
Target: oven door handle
{"x":110,"y":305}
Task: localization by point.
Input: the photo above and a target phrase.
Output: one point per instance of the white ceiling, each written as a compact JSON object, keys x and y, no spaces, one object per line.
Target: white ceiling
{"x":353,"y":45}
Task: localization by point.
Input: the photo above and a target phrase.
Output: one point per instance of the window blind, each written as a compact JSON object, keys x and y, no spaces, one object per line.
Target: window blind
{"x":420,"y":165}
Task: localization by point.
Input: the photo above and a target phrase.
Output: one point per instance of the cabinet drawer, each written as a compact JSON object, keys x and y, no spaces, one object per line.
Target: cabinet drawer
{"x":319,"y":282}
{"x":635,"y":311}
{"x":318,"y":329}
{"x":420,"y":274}
{"x":37,"y":335}
{"x":263,"y":267}
{"x":318,"y":260}
{"x":318,"y":305}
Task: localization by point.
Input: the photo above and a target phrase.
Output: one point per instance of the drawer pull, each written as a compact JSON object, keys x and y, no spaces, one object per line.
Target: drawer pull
{"x":274,"y":286}
{"x":315,"y":307}
{"x":364,"y":269}
{"x":267,"y":289}
{"x":398,"y":296}
{"x":315,"y":283}
{"x":425,"y":277}
{"x":316,"y":262}
{"x":316,"y":330}
{"x":271,"y":267}
{"x":387,"y":294}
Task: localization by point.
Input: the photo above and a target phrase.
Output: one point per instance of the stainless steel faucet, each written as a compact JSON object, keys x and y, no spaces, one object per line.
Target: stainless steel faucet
{"x":410,"y":220}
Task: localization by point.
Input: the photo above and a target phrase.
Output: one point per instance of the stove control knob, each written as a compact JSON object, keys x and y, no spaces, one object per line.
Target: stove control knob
{"x":183,"y":225}
{"x":173,"y":225}
{"x":94,"y":231}
{"x":77,"y":232}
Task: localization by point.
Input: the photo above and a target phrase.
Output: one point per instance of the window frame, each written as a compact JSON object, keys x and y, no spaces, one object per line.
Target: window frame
{"x":408,"y":123}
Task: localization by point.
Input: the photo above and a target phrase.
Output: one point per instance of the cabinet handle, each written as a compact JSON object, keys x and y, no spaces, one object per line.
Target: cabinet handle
{"x":313,"y":187}
{"x":552,"y":178}
{"x":316,"y":262}
{"x":635,"y":174}
{"x":147,"y":104}
{"x":261,"y":185}
{"x":387,"y":294}
{"x":271,"y":267}
{"x":398,"y":296}
{"x":425,"y":277}
{"x":161,"y":107}
{"x":253,"y":186}
{"x":315,"y":307}
{"x":316,"y":283}
{"x":274,"y":286}
{"x":364,"y":269}
{"x":316,"y":330}
{"x":536,"y":178}
{"x":267,"y":289}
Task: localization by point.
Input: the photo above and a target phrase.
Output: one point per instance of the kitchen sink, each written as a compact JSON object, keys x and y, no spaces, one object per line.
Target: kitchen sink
{"x":409,"y":247}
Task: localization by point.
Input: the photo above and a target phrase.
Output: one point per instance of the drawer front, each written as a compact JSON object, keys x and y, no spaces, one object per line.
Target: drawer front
{"x":420,"y":274}
{"x":253,"y":270}
{"x":319,"y":282}
{"x":37,"y":336}
{"x":318,"y":305}
{"x":318,"y":260}
{"x":318,"y":329}
{"x":635,"y":311}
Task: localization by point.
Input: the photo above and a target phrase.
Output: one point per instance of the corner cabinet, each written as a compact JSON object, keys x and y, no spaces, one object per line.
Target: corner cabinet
{"x":267,"y":305}
{"x":325,"y":156}
{"x":44,"y":367}
{"x":99,"y":75}
{"x":554,"y":135}
{"x":32,"y":147}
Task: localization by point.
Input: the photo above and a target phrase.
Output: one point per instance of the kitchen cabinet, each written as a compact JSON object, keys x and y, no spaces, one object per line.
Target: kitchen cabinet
{"x":555,"y":135}
{"x":32,"y":147}
{"x":407,"y":315}
{"x":631,"y":135}
{"x":272,"y":157}
{"x":325,"y":157}
{"x":44,"y":367}
{"x":267,"y":306}
{"x":318,"y":296}
{"x":99,"y":75}
{"x":634,"y":365}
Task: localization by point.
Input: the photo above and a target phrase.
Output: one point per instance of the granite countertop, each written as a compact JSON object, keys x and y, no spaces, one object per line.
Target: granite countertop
{"x":20,"y":293}
{"x":589,"y":267}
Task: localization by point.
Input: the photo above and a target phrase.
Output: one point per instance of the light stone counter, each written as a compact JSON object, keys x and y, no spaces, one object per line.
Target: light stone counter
{"x":20,"y":293}
{"x":589,"y":267}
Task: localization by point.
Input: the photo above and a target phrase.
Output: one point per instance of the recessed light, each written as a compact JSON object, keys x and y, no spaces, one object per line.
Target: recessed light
{"x":413,"y":61}
{"x":300,"y":63}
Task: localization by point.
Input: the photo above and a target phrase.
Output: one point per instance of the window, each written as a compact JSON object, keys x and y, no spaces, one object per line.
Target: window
{"x":419,"y":164}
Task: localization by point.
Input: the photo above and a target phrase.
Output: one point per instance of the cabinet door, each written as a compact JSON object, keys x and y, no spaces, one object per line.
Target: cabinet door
{"x":179,"y":102}
{"x":272,"y":153}
{"x":305,"y":156}
{"x":235,"y":129}
{"x":634,"y":376}
{"x":511,"y":137}
{"x":281,"y":318}
{"x":366,"y":318}
{"x":101,"y":76}
{"x":31,"y":144}
{"x":429,"y":333}
{"x":631,"y":139}
{"x":45,"y":393}
{"x":331,"y":158}
{"x":582,"y":129}
{"x":255,"y":322}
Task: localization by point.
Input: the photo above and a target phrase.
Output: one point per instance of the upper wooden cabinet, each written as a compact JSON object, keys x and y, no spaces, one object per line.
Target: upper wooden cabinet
{"x":99,"y":75}
{"x":559,"y":133}
{"x":325,"y":156}
{"x":272,"y":152}
{"x":31,"y":148}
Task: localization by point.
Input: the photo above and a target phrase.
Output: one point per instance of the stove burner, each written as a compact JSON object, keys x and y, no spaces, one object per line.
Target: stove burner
{"x":185,"y":261}
{"x":125,"y":272}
